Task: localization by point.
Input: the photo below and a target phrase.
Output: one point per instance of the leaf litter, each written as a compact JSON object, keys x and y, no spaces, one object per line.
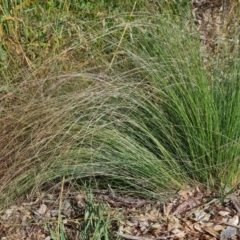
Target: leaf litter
{"x":191,"y":214}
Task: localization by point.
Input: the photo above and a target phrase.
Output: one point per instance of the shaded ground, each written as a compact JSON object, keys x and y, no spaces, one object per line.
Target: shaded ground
{"x":191,"y":214}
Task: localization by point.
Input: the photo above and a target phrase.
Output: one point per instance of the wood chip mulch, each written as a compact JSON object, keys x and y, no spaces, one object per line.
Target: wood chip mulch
{"x":191,"y":214}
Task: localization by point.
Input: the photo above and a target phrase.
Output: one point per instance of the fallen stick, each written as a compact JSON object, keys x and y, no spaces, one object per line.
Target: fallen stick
{"x":126,"y":236}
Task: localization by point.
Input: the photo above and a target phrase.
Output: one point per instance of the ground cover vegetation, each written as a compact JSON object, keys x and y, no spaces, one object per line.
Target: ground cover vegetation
{"x":112,"y":96}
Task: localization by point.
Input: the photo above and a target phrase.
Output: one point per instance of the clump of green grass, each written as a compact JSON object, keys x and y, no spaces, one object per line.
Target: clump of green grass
{"x":97,"y":222}
{"x":146,"y":118}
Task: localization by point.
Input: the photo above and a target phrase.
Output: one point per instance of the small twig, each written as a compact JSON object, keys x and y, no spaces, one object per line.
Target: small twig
{"x":126,"y":236}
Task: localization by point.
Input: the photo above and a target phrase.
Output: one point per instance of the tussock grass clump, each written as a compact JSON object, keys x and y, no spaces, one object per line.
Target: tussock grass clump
{"x":153,"y":120}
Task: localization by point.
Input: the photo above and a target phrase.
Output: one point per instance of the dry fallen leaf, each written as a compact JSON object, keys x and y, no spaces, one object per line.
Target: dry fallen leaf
{"x":218,"y":227}
{"x":184,"y":194}
{"x":42,"y":209}
{"x":201,"y":216}
{"x":223,"y":213}
{"x":212,"y":232}
{"x":178,"y":233}
{"x":234,"y":220}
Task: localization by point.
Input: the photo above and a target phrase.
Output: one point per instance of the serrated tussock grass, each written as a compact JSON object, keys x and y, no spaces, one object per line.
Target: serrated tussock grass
{"x":155,"y":120}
